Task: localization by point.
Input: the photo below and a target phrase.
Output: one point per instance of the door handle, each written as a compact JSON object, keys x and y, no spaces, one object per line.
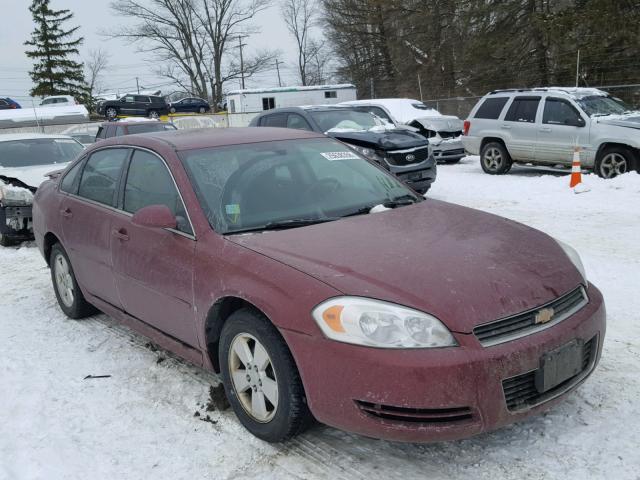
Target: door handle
{"x":66,"y":213}
{"x":120,"y":234}
{"x":545,"y":129}
{"x":505,"y":127}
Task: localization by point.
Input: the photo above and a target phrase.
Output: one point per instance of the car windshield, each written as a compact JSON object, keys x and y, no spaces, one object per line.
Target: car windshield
{"x":345,"y":120}
{"x":600,"y":105}
{"x":260,"y":185}
{"x":150,"y":127}
{"x":38,"y":151}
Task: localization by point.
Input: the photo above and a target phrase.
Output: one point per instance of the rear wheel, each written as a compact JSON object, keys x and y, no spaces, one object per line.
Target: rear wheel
{"x":494,"y":159}
{"x":69,"y":296}
{"x":613,"y":161}
{"x":202,"y":110}
{"x":260,"y":378}
{"x":111,"y":112}
{"x":153,"y":114}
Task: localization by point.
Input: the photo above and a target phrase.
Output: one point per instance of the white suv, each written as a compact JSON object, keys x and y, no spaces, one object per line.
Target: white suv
{"x":542,"y":126}
{"x":59,"y":101}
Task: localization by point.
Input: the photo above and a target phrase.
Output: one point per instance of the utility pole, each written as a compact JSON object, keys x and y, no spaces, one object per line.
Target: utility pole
{"x":137,"y":85}
{"x":420,"y":86}
{"x":278,"y":69}
{"x":578,"y":69}
{"x":240,"y":45}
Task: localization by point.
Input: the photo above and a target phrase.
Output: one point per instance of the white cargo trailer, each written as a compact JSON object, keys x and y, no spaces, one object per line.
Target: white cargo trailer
{"x":259,"y":99}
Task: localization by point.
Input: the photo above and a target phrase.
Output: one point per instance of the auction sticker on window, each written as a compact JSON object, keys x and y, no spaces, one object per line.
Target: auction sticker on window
{"x":340,"y":156}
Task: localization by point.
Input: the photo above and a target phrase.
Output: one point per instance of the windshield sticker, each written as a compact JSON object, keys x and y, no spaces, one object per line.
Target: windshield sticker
{"x":233,"y":212}
{"x":340,"y":156}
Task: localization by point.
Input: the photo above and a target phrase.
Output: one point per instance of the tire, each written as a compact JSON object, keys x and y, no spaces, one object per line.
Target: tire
{"x":453,"y":162}
{"x":153,"y":114}
{"x":74,"y":306}
{"x":172,"y":110}
{"x":111,"y":112}
{"x":494,"y":159}
{"x":614,"y":161}
{"x":280,"y":415}
{"x":202,"y":110}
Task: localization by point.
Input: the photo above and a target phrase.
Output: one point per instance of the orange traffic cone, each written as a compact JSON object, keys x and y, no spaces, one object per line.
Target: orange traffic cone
{"x":576,"y":173}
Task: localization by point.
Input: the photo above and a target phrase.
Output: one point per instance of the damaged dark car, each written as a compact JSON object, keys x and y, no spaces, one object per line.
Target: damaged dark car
{"x":25,"y":162}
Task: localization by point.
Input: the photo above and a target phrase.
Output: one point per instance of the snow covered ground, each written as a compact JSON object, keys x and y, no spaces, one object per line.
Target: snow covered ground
{"x":140,"y":423}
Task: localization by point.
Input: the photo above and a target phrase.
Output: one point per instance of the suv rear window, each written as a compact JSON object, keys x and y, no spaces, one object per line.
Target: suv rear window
{"x":491,"y":108}
{"x":523,"y":109}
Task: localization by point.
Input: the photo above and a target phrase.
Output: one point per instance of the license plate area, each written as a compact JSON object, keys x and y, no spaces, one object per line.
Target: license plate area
{"x":559,"y":365}
{"x":415,"y":176}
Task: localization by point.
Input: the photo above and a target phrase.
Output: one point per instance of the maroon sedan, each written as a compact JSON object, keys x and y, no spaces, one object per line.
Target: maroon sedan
{"x":318,"y":285}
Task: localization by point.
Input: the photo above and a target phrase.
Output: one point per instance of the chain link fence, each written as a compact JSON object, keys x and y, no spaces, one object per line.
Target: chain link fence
{"x":461,"y":106}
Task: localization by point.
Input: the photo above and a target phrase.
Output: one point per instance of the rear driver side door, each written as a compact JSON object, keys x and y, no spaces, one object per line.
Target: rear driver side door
{"x":520,"y":127}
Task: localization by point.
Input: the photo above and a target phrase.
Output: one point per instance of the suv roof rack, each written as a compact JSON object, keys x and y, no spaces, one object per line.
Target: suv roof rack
{"x":507,"y":90}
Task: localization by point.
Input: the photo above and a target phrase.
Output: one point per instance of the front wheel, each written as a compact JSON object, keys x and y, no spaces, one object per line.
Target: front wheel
{"x":613,"y":161}
{"x":154,"y":114}
{"x":69,"y":296}
{"x":260,"y":378}
{"x":111,"y":113}
{"x":494,"y":159}
{"x":202,"y":110}
{"x":172,"y":109}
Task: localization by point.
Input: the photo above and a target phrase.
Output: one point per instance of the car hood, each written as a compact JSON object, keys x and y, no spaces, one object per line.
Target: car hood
{"x":396,"y":139}
{"x":32,"y":176}
{"x":444,"y":123}
{"x":631,"y":120}
{"x":464,"y":266}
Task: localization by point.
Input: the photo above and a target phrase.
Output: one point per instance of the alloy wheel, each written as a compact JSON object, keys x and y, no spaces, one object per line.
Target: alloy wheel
{"x":612,"y":165}
{"x":64,"y":280}
{"x":111,"y":113}
{"x":253,"y":377}
{"x":493,"y":159}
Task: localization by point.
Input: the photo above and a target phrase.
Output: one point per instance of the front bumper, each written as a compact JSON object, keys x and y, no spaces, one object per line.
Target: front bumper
{"x":16,"y":222}
{"x":448,"y":151}
{"x":452,"y":392}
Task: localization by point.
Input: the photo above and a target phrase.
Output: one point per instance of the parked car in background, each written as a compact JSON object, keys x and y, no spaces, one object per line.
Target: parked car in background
{"x":141,"y":105}
{"x":8,"y":104}
{"x":189,"y":104}
{"x":400,"y":151}
{"x":25,"y":160}
{"x":85,"y":134}
{"x":118,"y":129}
{"x":58,"y":101}
{"x":542,"y":126}
{"x":317,"y":284}
{"x":443,"y":131}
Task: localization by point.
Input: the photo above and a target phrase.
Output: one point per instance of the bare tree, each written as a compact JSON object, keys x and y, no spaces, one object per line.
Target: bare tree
{"x":300,"y":16}
{"x":95,"y":66}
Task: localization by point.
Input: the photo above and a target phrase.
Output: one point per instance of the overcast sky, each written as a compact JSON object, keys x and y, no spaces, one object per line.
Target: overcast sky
{"x":126,"y":64}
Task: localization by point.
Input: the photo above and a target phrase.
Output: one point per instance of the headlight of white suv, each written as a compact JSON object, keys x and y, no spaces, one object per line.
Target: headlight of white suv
{"x":10,"y":195}
{"x":574,"y":256}
{"x":364,"y":321}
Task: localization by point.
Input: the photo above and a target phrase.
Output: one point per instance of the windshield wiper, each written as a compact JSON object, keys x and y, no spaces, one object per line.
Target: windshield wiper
{"x":399,"y":201}
{"x":284,"y":224}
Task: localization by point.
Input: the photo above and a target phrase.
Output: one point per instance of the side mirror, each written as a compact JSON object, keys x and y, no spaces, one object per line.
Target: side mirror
{"x":155,"y":216}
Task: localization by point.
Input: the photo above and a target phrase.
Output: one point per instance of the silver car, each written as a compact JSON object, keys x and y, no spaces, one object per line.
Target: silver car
{"x":542,"y":126}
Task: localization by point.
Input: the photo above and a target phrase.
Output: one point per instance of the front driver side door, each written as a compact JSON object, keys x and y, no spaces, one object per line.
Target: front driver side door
{"x":153,"y":267}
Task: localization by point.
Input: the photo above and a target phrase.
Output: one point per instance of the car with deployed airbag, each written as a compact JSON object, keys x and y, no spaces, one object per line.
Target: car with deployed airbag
{"x":318,"y":285}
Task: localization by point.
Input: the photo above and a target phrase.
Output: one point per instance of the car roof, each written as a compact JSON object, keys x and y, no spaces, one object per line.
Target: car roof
{"x":29,"y":136}
{"x":134,"y":122}
{"x":575,"y":92}
{"x":191,"y":139}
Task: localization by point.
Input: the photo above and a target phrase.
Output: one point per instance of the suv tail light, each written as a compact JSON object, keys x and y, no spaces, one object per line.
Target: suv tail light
{"x":466,"y":127}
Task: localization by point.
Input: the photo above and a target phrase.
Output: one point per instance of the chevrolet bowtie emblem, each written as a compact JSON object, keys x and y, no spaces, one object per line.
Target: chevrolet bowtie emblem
{"x":545,"y":315}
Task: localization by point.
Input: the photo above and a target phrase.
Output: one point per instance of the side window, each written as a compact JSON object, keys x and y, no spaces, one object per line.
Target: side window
{"x":111,"y":131}
{"x":232,"y":106}
{"x":297,"y":121}
{"x":268,"y":103}
{"x":559,"y":112}
{"x":491,"y":108}
{"x":129,"y":99}
{"x":3,"y":103}
{"x":331,"y":94}
{"x":69,"y":183}
{"x":523,"y":109}
{"x":100,"y":175}
{"x":150,"y":183}
{"x":276,"y":120}
{"x":119,"y":131}
{"x":141,"y":99}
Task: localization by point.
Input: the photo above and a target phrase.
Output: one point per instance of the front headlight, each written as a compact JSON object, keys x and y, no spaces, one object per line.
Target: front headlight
{"x":574,"y":256}
{"x":364,"y":321}
{"x":368,"y":153}
{"x":10,"y":195}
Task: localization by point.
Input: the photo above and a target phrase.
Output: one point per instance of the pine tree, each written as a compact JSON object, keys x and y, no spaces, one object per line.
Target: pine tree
{"x":54,"y":71}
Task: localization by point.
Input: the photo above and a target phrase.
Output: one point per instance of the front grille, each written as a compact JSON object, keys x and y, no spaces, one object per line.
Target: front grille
{"x":399,"y":157}
{"x":520,"y":392}
{"x":416,"y":415}
{"x":525,"y":323}
{"x":450,"y":134}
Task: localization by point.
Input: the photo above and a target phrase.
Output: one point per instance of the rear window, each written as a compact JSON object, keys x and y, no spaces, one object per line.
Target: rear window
{"x":150,"y":127}
{"x":523,"y":109}
{"x":491,"y":108}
